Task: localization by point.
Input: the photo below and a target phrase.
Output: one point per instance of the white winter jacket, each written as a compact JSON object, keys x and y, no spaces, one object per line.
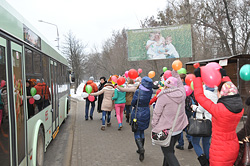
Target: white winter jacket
{"x":200,"y":110}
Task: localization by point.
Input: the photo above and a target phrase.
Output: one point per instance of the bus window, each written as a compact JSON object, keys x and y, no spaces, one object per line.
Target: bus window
{"x":36,"y":63}
{"x":28,"y":61}
{"x":4,"y":118}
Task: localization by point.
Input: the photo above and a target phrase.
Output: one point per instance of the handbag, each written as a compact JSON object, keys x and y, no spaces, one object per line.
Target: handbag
{"x":163,"y":138}
{"x":134,"y":124}
{"x":199,"y":127}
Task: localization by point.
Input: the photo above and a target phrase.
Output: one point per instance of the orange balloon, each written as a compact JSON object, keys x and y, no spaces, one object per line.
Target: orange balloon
{"x":177,"y":65}
{"x":151,"y":74}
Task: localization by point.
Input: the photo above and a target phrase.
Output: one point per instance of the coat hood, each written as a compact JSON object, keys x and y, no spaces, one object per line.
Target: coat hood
{"x":147,"y":82}
{"x":233,"y":103}
{"x":175,"y":94}
{"x":89,"y":82}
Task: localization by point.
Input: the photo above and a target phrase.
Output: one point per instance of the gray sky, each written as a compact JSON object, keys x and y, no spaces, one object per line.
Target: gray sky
{"x":91,"y":21}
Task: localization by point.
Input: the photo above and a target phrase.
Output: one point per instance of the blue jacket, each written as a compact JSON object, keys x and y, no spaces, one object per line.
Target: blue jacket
{"x":143,"y":111}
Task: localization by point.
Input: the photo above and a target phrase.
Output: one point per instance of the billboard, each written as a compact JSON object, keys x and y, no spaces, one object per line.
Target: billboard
{"x":160,"y":43}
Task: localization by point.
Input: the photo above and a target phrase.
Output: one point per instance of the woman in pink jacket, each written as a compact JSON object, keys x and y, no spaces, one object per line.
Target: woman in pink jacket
{"x":164,"y":113}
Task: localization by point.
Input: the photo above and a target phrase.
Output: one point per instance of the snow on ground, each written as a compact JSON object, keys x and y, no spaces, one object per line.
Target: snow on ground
{"x":79,"y":90}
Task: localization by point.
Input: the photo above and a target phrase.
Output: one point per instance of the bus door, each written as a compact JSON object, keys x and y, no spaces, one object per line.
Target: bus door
{"x":5,"y":137}
{"x":12,"y":137}
{"x":18,"y":82}
{"x":54,"y":98}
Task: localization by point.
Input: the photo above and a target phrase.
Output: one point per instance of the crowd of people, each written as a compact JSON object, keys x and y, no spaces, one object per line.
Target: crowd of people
{"x":222,"y":105}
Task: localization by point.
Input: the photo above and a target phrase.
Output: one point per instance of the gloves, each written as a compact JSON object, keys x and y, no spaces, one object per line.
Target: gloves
{"x":223,"y":72}
{"x":197,"y":72}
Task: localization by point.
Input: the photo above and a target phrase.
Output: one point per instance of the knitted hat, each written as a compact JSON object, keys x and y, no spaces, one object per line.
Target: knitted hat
{"x":91,"y":78}
{"x":228,"y":88}
{"x":171,"y":82}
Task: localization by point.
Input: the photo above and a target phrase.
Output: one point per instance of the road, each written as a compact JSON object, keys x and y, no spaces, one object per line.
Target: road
{"x":81,"y":142}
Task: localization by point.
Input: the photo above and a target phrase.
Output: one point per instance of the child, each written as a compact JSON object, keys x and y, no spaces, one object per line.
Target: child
{"x":170,"y":49}
{"x":150,"y":46}
{"x":120,"y":100}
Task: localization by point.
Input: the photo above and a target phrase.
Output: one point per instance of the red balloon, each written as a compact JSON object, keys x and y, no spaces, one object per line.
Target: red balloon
{"x":189,"y":78}
{"x":196,"y":65}
{"x":214,"y":65}
{"x":210,"y":76}
{"x":32,"y":100}
{"x":167,"y":74}
{"x":121,"y":81}
{"x":188,"y":90}
{"x":133,"y":74}
{"x":139,"y":71}
{"x":2,"y":83}
{"x":91,"y":98}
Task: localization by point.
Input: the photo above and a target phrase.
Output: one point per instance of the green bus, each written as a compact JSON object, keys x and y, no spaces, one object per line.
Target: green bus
{"x":35,"y":90}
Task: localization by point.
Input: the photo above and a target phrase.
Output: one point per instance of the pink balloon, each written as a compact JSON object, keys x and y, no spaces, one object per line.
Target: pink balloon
{"x":167,"y":74}
{"x":210,"y":76}
{"x":214,"y":65}
{"x":2,"y":83}
{"x":32,"y":100}
{"x":114,"y":78}
{"x":126,"y":74}
{"x":91,"y":98}
{"x":188,"y":90}
{"x":139,"y":70}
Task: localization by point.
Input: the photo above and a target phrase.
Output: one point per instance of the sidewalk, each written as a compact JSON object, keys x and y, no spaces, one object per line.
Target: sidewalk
{"x":94,"y":147}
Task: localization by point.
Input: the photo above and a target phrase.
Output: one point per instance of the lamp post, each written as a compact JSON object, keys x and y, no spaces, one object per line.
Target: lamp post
{"x":56,"y":30}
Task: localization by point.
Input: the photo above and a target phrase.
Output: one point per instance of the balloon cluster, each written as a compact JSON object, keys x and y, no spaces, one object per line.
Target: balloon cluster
{"x":34,"y":95}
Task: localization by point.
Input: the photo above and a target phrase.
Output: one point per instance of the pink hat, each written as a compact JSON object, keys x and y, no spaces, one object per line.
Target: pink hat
{"x":228,"y":88}
{"x":171,"y":82}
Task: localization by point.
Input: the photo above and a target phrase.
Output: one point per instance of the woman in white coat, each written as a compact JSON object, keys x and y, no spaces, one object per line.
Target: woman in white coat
{"x":203,"y":155}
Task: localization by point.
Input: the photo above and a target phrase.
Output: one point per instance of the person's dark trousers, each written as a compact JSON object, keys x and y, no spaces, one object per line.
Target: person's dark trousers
{"x":169,"y":157}
{"x":87,"y":109}
{"x":128,"y":111}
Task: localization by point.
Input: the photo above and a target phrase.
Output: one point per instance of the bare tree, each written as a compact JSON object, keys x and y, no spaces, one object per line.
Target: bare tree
{"x":220,"y":27}
{"x":74,"y":51}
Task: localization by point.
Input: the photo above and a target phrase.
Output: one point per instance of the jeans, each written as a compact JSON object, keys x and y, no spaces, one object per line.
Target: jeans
{"x":181,"y":140}
{"x":139,"y":134}
{"x":87,"y":108}
{"x":205,"y":145}
{"x":169,"y":157}
{"x":104,"y":117}
{"x":128,"y":110}
{"x":119,"y":108}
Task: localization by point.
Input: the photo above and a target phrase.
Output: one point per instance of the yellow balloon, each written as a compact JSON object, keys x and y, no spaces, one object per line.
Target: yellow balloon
{"x":151,"y":74}
{"x":113,"y":82}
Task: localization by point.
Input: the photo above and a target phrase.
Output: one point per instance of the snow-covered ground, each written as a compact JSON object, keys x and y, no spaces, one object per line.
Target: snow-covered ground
{"x":79,"y":90}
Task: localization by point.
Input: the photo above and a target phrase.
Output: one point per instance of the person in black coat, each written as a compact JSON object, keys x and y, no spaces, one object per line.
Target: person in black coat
{"x":246,"y":128}
{"x":100,"y":97}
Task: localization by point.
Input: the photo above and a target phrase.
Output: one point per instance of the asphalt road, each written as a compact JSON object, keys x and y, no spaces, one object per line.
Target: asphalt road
{"x":81,"y":142}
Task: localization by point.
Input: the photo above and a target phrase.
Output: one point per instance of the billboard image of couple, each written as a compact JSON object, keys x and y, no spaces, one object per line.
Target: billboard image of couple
{"x":160,"y":43}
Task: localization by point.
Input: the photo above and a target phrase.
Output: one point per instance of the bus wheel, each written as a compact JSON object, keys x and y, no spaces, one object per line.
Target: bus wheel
{"x":40,"y":148}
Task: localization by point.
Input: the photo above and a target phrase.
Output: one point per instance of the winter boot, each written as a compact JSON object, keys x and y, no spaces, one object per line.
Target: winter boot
{"x":203,"y":160}
{"x":143,"y":140}
{"x":127,"y":119}
{"x":141,"y":148}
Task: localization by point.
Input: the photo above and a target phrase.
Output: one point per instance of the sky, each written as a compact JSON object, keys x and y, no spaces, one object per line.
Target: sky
{"x":91,"y":21}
